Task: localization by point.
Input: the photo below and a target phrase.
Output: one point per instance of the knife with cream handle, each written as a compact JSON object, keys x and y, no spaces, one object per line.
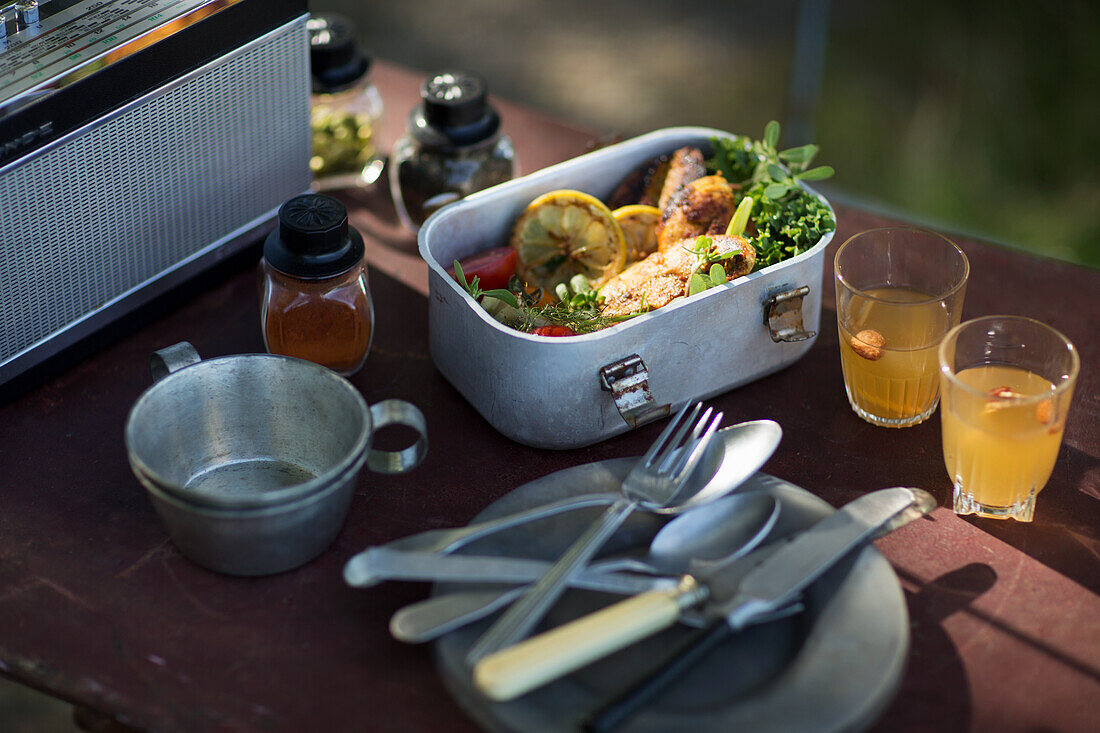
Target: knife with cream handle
{"x":728,"y":595}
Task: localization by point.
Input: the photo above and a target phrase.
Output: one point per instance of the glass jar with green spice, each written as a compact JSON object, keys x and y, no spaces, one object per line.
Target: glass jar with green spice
{"x":453,"y":146}
{"x":346,"y":113}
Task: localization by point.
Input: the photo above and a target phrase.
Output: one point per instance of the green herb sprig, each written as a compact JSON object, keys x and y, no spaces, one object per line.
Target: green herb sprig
{"x":476,"y":292}
{"x":749,"y":163}
{"x":578,"y":308}
{"x":707,"y":254}
{"x":788,"y":219}
{"x":698,"y":282}
{"x":784,"y":178}
{"x":578,"y":294}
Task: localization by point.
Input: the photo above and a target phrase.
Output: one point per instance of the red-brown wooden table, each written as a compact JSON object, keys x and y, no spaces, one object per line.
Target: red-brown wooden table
{"x":97,"y":607}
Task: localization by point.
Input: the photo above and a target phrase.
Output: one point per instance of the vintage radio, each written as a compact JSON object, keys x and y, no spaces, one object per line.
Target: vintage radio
{"x":142,"y":142}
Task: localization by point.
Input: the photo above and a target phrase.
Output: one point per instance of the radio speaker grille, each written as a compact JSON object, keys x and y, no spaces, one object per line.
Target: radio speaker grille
{"x":137,"y":194}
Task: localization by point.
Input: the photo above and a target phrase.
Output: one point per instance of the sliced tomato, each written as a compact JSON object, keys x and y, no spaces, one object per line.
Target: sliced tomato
{"x":554,"y":330}
{"x":493,"y":267}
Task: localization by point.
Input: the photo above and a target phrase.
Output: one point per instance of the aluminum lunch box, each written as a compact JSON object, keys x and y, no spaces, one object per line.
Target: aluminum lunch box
{"x":570,"y":392}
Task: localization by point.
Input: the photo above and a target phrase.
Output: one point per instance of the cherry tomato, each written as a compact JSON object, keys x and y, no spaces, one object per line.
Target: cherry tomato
{"x":554,"y":331}
{"x":493,"y":266}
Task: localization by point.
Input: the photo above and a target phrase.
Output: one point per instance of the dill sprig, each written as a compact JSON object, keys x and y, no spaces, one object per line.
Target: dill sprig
{"x":578,"y":308}
{"x":580,"y":320}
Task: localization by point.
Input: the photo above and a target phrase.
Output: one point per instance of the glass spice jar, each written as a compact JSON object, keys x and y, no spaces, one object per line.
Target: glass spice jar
{"x":452,"y":147}
{"x":315,"y":303}
{"x":346,"y":108}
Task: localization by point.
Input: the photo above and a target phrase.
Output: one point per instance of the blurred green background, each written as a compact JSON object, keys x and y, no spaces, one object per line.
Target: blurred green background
{"x":978,"y":118}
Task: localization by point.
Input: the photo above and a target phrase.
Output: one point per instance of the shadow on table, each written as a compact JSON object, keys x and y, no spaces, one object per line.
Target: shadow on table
{"x":1065,"y":535}
{"x":934,"y":663}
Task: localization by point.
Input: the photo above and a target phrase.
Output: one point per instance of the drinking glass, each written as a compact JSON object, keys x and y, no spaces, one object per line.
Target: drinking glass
{"x":1007,"y":382}
{"x":898,"y":291}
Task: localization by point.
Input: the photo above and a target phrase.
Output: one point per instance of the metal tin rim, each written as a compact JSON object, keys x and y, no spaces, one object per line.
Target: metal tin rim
{"x":439,"y":219}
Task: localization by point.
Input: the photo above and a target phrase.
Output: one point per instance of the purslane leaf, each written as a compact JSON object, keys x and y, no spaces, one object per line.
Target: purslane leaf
{"x":801,"y":155}
{"x":771,"y":134}
{"x":777,"y":173}
{"x":816,"y":174}
{"x":776,"y":190}
{"x":697,"y":284}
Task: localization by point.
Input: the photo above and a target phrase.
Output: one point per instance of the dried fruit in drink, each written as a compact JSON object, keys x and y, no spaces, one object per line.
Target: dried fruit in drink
{"x":869,"y":344}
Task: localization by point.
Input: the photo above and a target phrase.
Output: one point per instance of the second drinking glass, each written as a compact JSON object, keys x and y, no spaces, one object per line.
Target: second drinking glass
{"x":898,"y":291}
{"x":1007,"y":383}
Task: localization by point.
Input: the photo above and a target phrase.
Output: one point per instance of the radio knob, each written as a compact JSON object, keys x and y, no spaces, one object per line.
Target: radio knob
{"x":26,"y":13}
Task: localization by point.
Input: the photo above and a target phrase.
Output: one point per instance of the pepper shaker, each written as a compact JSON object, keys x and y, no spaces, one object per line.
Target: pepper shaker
{"x":315,"y":303}
{"x":452,"y":147}
{"x":346,"y":108}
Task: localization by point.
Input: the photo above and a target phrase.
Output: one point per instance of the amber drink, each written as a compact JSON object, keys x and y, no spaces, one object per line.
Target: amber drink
{"x":898,"y":290}
{"x":1007,"y":384}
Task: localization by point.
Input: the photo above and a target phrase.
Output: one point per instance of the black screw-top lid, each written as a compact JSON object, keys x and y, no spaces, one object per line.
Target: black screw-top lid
{"x":336,"y":61}
{"x":454,"y":107}
{"x":313,"y":239}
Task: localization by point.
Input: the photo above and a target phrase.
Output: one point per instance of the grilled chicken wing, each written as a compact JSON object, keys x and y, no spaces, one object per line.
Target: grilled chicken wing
{"x":744,"y":259}
{"x":685,"y":165}
{"x":654,"y":282}
{"x":642,"y":186}
{"x":703,"y":206}
{"x":662,"y":277}
{"x":692,"y":203}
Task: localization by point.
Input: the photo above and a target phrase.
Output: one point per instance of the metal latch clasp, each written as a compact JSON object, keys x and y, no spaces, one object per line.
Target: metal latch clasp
{"x":628,"y":381}
{"x":783,"y":316}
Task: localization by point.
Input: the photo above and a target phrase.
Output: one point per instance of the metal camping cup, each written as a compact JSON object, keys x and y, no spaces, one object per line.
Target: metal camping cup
{"x":251,"y":460}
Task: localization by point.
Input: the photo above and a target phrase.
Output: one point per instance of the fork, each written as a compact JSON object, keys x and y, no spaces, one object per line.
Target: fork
{"x":652,"y":484}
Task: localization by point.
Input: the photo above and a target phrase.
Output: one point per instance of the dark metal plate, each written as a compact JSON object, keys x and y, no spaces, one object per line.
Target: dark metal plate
{"x":834,"y":667}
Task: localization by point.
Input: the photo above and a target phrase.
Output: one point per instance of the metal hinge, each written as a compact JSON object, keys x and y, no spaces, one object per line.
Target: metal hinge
{"x":783,"y":315}
{"x":628,"y":381}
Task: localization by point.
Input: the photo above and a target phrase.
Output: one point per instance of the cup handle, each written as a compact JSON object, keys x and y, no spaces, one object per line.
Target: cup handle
{"x":172,"y":358}
{"x":398,"y":412}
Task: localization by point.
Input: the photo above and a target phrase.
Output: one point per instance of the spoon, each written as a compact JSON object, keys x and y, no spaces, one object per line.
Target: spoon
{"x":731,"y":445}
{"x":722,"y":532}
{"x":660,"y":482}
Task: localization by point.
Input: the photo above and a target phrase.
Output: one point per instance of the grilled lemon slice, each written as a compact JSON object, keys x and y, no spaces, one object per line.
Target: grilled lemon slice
{"x":639,"y":225}
{"x":565,"y":233}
